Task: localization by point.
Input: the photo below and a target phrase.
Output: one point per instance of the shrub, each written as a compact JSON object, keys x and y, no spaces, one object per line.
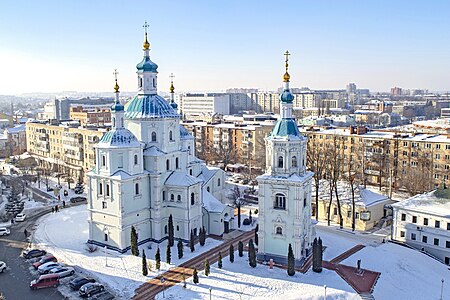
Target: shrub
{"x":256,"y":211}
{"x":246,"y":221}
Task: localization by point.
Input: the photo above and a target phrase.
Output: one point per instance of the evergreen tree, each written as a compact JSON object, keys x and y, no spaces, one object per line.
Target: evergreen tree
{"x":133,"y":242}
{"x":219,"y":261}
{"x":207,"y":269}
{"x":239,"y":214}
{"x":144,"y":264}
{"x":241,"y":249}
{"x":195,"y":276}
{"x":158,"y":259}
{"x":171,"y":231}
{"x":180,"y":249}
{"x":231,"y":253}
{"x":250,"y":216}
{"x":251,"y":254}
{"x":291,"y":262}
{"x":168,"y":253}
{"x":191,"y":242}
{"x":256,"y":234}
{"x":202,"y":236}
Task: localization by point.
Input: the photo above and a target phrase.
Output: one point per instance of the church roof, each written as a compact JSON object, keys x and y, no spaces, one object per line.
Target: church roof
{"x":120,"y":137}
{"x":286,"y":128}
{"x":207,"y":173}
{"x":149,"y":107}
{"x":181,"y":179}
{"x":154,"y":151}
{"x":147,"y":65}
{"x":287,"y":96}
{"x":211,"y":203}
{"x":184,"y":133}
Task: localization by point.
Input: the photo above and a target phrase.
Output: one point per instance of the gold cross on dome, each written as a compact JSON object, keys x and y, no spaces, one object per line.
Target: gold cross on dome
{"x":115,"y":73}
{"x":145,"y":26}
{"x":287,"y":58}
{"x":171,"y":76}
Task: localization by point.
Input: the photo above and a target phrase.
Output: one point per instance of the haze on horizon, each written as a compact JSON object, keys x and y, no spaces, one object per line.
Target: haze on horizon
{"x":51,"y":46}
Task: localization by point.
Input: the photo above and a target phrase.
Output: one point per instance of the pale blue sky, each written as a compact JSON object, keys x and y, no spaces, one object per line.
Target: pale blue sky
{"x":50,"y":46}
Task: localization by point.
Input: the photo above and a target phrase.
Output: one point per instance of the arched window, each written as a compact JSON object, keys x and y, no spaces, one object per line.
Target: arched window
{"x":178,"y":228}
{"x":192,"y":198}
{"x":100,"y":188}
{"x":280,"y":201}
{"x":167,"y":165}
{"x":294,"y":161}
{"x":153,"y":136}
{"x":106,"y":237}
{"x":218,"y":181}
{"x":107,"y":189}
{"x":164,"y":196}
{"x":279,"y":230}
{"x":103,"y":160}
{"x":304,"y":202}
{"x":177,"y":165}
{"x":207,"y":189}
{"x":280,"y":161}
{"x":190,"y":172}
{"x":135,"y":159}
{"x":165,"y":229}
{"x":172,"y":197}
{"x":136,"y":189}
{"x":170,"y":136}
{"x":179,"y":198}
{"x":154,"y":83}
{"x":140,"y":82}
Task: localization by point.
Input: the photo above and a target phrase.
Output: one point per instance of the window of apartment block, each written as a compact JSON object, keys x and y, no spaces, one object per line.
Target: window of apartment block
{"x":100,"y":189}
{"x":356,"y":215}
{"x":413,"y":236}
{"x":437,"y":224}
{"x":425,"y":221}
{"x":404,"y":217}
{"x":437,"y":156}
{"x":349,"y":214}
{"x":402,"y":234}
{"x":424,"y":239}
{"x":447,"y":244}
{"x":448,"y":226}
{"x":335,"y":211}
{"x":436,"y":242}
{"x":414,"y":219}
{"x":447,"y":260}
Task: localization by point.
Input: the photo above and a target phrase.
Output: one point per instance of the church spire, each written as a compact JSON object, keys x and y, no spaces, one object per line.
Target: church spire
{"x":146,"y":44}
{"x":117,"y":110}
{"x":286,"y":75}
{"x":286,"y":97}
{"x":172,"y":90}
{"x":147,"y":70}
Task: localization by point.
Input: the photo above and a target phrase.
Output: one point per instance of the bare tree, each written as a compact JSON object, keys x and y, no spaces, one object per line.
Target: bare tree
{"x":316,"y":162}
{"x":418,"y":174}
{"x":237,"y":200}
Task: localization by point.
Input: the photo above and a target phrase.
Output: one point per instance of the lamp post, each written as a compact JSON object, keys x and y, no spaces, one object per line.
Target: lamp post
{"x":106,"y":258}
{"x":162,"y":282}
{"x":325,"y":288}
{"x":442,"y":289}
{"x":210,"y":293}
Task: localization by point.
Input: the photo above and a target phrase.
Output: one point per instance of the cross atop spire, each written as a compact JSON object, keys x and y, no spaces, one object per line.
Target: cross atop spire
{"x":286,"y":75}
{"x":116,"y":86}
{"x":146,"y":43}
{"x":145,"y":26}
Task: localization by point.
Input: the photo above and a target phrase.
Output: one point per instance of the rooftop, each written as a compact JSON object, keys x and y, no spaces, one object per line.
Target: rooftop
{"x":428,"y":203}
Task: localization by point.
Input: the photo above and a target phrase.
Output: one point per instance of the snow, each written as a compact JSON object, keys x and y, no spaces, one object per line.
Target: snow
{"x":177,"y":178}
{"x":210,"y":203}
{"x":65,"y":233}
{"x":426,"y":202}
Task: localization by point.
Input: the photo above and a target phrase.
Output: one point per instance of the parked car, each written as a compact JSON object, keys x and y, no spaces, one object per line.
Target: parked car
{"x":77,"y":199}
{"x":45,"y":281}
{"x":49,"y":189}
{"x":90,"y":289}
{"x":4,"y":231}
{"x":2,"y":266}
{"x":47,"y":258}
{"x":105,"y":295}
{"x":20,"y":217}
{"x":62,"y":271}
{"x":78,"y":282}
{"x":78,"y":190}
{"x":33,"y":253}
{"x":45,"y":268}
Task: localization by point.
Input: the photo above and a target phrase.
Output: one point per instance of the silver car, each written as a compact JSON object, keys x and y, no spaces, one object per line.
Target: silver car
{"x":62,"y":271}
{"x":45,"y":268}
{"x":4,"y":231}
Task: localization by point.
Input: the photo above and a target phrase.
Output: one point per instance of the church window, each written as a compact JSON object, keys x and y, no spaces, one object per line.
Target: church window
{"x":280,"y":201}
{"x":177,"y":163}
{"x":294,"y":161}
{"x":106,"y":237}
{"x":154,"y":82}
{"x":190,"y":172}
{"x":164,"y":196}
{"x":107,"y":190}
{"x":136,"y":189}
{"x":121,"y":122}
{"x":100,"y":188}
{"x":165,"y":229}
{"x":280,"y":161}
{"x":135,"y":159}
{"x":279,"y":230}
{"x":218,"y":182}
{"x":140,"y":82}
{"x":167,"y":165}
{"x":172,"y":197}
{"x":103,"y":160}
{"x":192,"y":198}
{"x":178,"y":228}
{"x":153,"y":136}
{"x":179,"y":198}
{"x":120,"y":161}
{"x":304,"y":202}
{"x":114,"y":122}
{"x":207,"y":189}
{"x":170,"y":135}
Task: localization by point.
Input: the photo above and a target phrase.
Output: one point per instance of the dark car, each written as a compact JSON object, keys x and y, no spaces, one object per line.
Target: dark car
{"x":105,"y":295}
{"x":78,"y":190}
{"x":33,"y":253}
{"x":78,"y":282}
{"x":77,"y":199}
{"x":90,"y":289}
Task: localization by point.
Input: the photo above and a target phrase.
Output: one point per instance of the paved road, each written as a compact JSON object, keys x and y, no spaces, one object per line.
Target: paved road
{"x":16,"y":279}
{"x":368,"y":239}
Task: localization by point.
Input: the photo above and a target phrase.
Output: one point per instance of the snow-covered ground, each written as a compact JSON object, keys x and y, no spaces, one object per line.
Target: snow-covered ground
{"x":65,"y":234}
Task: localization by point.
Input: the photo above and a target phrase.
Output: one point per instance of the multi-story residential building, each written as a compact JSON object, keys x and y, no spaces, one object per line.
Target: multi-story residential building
{"x":423,"y":222}
{"x":59,"y":109}
{"x":16,"y":140}
{"x":415,"y":162}
{"x":63,"y":147}
{"x":192,"y":105}
{"x":96,"y":115}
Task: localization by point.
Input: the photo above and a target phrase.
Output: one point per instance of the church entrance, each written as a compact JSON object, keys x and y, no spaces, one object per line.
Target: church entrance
{"x":226,"y":226}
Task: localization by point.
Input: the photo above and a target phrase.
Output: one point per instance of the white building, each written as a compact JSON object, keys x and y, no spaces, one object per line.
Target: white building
{"x":205,"y":104}
{"x":146,"y":171}
{"x":285,"y":190}
{"x":423,"y":222}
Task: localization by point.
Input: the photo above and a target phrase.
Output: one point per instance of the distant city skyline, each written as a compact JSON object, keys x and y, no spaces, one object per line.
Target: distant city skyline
{"x":53,"y":46}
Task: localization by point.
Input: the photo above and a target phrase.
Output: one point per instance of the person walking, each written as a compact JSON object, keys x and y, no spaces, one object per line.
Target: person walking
{"x":25,"y":232}
{"x":56,"y":208}
{"x":53,"y":209}
{"x":64,"y":203}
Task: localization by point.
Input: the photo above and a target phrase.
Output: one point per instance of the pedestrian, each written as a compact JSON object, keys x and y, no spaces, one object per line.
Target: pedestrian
{"x":56,"y":208}
{"x":25,"y":232}
{"x":53,"y":209}
{"x":12,"y":221}
{"x":64,"y":203}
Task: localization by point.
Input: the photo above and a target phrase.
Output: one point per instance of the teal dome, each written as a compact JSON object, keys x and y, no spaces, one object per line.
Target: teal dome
{"x":287,"y":96}
{"x":147,"y":65}
{"x":149,"y":107}
{"x":117,"y":107}
{"x":285,"y":128}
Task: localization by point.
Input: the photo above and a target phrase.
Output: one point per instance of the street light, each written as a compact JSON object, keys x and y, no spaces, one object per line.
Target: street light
{"x":442,"y":289}
{"x":210,"y":293}
{"x":162,"y":282}
{"x":325,"y":287}
{"x":106,"y":258}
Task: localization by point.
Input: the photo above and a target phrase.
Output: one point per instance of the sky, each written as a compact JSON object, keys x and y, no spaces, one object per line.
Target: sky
{"x":75,"y":45}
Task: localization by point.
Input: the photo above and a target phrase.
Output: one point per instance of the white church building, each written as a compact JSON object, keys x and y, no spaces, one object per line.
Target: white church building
{"x":146,"y":171}
{"x":285,"y":190}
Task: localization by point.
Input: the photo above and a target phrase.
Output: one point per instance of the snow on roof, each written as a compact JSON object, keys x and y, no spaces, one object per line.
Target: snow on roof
{"x":181,"y":179}
{"x":427,"y":203}
{"x":121,"y":175}
{"x":207,"y":173}
{"x":292,"y":177}
{"x":211,"y":203}
{"x":16,"y":129}
{"x":153,"y":151}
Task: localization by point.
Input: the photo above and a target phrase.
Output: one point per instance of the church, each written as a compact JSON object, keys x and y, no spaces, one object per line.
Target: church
{"x":285,"y":189}
{"x":146,"y":170}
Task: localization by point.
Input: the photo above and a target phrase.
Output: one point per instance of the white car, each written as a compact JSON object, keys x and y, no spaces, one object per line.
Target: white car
{"x":20,"y":217}
{"x":4,"y":231}
{"x":45,"y":268}
{"x":62,"y":271}
{"x":2,"y":266}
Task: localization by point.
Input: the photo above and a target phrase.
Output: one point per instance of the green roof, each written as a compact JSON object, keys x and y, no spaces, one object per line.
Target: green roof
{"x":285,"y":128}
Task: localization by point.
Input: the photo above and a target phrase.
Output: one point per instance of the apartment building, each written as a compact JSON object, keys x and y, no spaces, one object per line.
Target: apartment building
{"x":193,"y":105}
{"x":423,"y":222}
{"x":414,"y":162}
{"x":63,"y":147}
{"x":97,"y":115}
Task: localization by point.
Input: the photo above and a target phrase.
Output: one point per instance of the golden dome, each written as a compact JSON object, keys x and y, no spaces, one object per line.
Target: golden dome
{"x":286,"y":77}
{"x":172,"y":88}
{"x":146,"y":43}
{"x":116,"y":87}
